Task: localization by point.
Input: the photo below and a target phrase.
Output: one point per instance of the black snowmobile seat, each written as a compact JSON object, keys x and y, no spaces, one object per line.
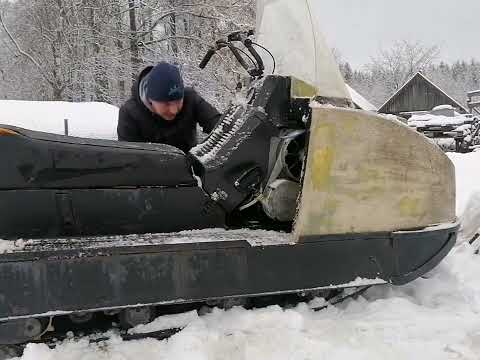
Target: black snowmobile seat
{"x":39,"y":160}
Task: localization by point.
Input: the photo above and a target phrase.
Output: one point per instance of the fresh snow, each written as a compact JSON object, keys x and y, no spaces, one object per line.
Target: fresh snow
{"x":443,"y":107}
{"x":90,"y":120}
{"x":362,"y":282}
{"x":437,"y":317}
{"x":8,"y":246}
{"x":438,"y":120}
{"x":166,"y":322}
{"x":253,"y":237}
{"x":467,"y":167}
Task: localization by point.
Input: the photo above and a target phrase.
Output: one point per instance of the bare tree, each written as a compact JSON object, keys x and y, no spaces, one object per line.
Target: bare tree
{"x":93,"y":49}
{"x":50,"y":74}
{"x":403,"y":60}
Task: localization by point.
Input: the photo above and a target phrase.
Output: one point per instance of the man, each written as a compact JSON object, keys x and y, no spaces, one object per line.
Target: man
{"x":161,"y":110}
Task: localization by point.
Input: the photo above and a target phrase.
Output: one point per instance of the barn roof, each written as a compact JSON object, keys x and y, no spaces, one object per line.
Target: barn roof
{"x":421,"y":77}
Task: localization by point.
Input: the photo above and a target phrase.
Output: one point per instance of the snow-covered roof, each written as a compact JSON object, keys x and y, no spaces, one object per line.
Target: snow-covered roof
{"x":438,"y":120}
{"x":443,"y":107}
{"x":90,"y":119}
{"x":460,"y":106}
{"x":360,"y":101}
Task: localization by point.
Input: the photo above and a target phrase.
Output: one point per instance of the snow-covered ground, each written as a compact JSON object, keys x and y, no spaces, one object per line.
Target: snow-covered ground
{"x":91,"y":120}
{"x":433,"y":318}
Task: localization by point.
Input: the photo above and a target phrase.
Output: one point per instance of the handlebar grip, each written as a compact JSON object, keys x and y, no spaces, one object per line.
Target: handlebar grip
{"x":206,"y":58}
{"x":239,"y":57}
{"x":258,"y":58}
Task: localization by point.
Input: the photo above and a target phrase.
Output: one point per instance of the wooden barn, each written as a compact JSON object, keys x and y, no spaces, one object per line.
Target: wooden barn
{"x":417,"y":95}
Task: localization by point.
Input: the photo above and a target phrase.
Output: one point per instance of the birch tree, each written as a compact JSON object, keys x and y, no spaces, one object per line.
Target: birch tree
{"x":92,"y":50}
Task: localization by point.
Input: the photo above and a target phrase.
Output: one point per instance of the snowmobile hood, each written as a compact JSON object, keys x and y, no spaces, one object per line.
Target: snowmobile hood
{"x":290,"y":30}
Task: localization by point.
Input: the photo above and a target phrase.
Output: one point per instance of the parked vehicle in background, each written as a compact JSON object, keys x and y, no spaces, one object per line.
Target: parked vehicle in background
{"x":449,"y":129}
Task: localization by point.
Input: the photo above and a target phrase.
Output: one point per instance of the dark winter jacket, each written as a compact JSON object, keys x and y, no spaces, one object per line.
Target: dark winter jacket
{"x":138,"y":124}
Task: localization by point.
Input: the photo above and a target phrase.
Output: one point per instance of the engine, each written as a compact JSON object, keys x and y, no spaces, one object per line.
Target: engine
{"x":255,"y":155}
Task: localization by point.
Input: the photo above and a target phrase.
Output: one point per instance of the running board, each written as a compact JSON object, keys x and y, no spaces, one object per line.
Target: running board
{"x":49,"y":278}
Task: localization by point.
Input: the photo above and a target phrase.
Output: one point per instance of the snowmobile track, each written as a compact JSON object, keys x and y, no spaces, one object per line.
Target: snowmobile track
{"x":54,"y":338}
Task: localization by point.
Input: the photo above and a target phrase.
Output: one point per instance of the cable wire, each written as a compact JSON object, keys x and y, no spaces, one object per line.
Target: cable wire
{"x":246,"y":54}
{"x":271,"y":55}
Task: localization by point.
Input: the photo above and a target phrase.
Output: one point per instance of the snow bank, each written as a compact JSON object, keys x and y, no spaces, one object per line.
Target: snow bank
{"x":467,"y":168}
{"x":91,"y":120}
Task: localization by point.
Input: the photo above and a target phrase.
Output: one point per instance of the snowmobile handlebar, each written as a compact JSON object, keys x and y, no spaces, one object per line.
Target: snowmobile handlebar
{"x":244,"y":38}
{"x":219,"y":45}
{"x":207,"y":58}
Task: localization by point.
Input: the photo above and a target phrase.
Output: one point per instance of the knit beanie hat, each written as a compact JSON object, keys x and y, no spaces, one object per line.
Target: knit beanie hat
{"x":164,"y":83}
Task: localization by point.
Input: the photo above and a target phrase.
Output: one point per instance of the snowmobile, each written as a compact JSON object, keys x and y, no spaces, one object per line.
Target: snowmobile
{"x":368,"y":201}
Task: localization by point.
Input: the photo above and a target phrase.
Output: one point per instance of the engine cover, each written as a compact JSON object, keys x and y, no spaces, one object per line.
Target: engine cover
{"x":233,"y":162}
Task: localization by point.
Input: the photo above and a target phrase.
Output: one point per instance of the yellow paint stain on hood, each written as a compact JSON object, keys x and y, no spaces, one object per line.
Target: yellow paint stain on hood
{"x":412,"y":207}
{"x":323,"y":156}
{"x":322,"y":168}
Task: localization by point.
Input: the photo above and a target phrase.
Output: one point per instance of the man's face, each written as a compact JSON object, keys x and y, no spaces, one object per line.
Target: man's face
{"x":167,"y":109}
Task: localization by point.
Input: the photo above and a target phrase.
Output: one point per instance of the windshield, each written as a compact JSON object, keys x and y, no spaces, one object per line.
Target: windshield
{"x":290,"y":30}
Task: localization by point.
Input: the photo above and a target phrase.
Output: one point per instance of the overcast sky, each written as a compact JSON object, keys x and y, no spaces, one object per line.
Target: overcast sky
{"x":359,"y":28}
